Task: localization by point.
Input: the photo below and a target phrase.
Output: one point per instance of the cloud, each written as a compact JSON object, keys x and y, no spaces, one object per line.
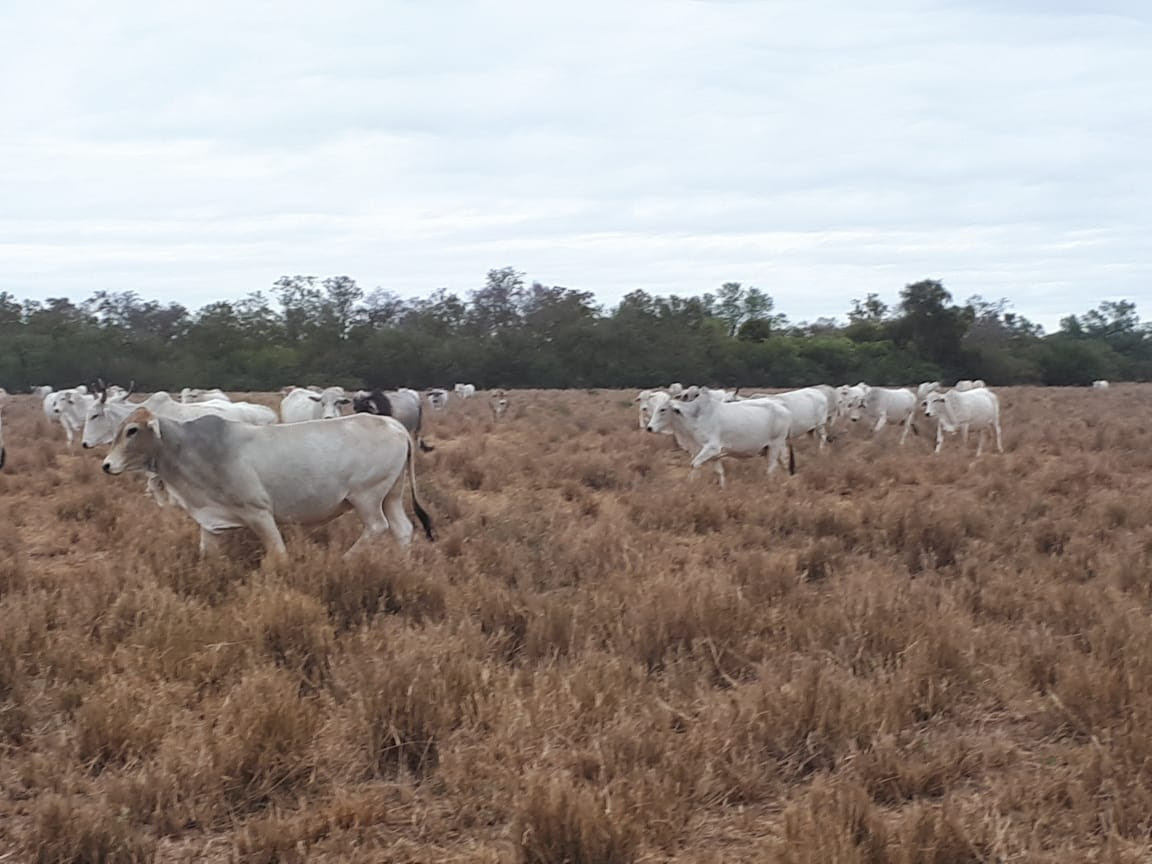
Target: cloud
{"x":819,"y":151}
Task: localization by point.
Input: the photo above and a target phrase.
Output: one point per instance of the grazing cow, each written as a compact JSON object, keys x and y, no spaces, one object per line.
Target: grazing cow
{"x":437,"y":398}
{"x":1101,"y":384}
{"x":403,"y":404}
{"x":233,"y":475}
{"x":716,"y":429}
{"x":191,"y":395}
{"x":300,"y":404}
{"x":465,"y":391}
{"x":964,"y":385}
{"x":105,"y":415}
{"x":959,"y":410}
{"x":888,"y":405}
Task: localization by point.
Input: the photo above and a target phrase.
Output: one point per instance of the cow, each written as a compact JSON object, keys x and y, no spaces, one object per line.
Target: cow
{"x":301,"y":404}
{"x":964,"y":385}
{"x":41,"y":391}
{"x":498,"y":405}
{"x":888,"y":405}
{"x":106,"y":415}
{"x":926,"y":387}
{"x":715,"y":429}
{"x":69,"y":408}
{"x":192,"y":395}
{"x":465,"y":391}
{"x":643,"y":401}
{"x":437,"y":398}
{"x":234,"y":475}
{"x":809,"y":410}
{"x":403,"y":404}
{"x":959,"y":410}
{"x":675,"y":389}
{"x":1101,"y":384}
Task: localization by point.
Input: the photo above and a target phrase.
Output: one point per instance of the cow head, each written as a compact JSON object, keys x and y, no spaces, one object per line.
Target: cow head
{"x":134,"y":448}
{"x":660,"y":407}
{"x":375,"y":402}
{"x":933,"y":404}
{"x":855,"y":404}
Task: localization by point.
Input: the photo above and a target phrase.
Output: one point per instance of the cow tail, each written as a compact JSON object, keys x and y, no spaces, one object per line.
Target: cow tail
{"x":1,"y":457}
{"x":425,"y":448}
{"x":791,"y":459}
{"x":421,"y":513}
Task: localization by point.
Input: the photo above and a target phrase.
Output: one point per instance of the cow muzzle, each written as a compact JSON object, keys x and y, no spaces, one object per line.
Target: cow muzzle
{"x":107,"y":466}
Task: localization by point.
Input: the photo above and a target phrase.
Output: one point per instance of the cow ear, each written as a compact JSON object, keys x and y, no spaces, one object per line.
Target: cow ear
{"x":154,"y":425}
{"x":344,"y":400}
{"x":314,"y":398}
{"x":677,"y":408}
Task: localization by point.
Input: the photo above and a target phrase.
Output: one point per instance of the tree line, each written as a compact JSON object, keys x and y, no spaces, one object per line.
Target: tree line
{"x":509,"y":333}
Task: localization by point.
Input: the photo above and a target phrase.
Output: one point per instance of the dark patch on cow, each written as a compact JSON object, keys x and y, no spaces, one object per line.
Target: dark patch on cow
{"x":375,"y":402}
{"x":791,"y":459}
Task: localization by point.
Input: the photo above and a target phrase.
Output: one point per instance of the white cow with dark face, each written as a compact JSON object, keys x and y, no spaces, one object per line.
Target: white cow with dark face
{"x":403,"y":404}
{"x":886,"y":405}
{"x":713,"y":429}
{"x":234,"y":475}
{"x":961,"y":410}
{"x":304,"y":404}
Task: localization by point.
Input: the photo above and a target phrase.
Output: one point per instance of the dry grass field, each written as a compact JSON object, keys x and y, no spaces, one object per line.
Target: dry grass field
{"x":890,"y":657}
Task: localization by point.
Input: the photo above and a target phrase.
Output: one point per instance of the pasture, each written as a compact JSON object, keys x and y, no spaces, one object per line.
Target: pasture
{"x":889,"y":657}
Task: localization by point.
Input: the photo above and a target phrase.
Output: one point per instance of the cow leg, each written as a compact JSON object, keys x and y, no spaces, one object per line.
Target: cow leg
{"x":939,"y":436}
{"x":879,"y":424}
{"x":980,"y":440}
{"x":999,"y":442}
{"x":264,"y":526}
{"x":907,"y":426}
{"x":398,"y":522}
{"x":210,"y":545}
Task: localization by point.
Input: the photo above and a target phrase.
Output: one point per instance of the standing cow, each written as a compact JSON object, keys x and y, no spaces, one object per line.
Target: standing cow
{"x":403,"y":404}
{"x":234,"y":475}
{"x":888,"y":405}
{"x":960,"y":410}
{"x":304,"y":404}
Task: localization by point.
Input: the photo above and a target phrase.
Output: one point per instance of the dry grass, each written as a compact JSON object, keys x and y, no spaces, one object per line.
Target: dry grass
{"x":889,"y":657}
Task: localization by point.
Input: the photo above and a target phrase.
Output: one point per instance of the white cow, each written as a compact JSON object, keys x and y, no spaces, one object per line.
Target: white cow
{"x":465,"y":391}
{"x":888,"y":405}
{"x":715,"y":429}
{"x":105,"y":416}
{"x":964,"y":385}
{"x":925,"y":388}
{"x":437,"y":398}
{"x":675,"y":389}
{"x":959,"y":410}
{"x":234,"y":475}
{"x":810,"y":411}
{"x":300,"y":404}
{"x":192,"y":395}
{"x":1100,"y":384}
{"x":69,"y":408}
{"x":41,"y":391}
{"x":498,"y":405}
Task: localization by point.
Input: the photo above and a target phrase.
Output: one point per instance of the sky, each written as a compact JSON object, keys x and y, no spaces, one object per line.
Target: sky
{"x":817,"y":150}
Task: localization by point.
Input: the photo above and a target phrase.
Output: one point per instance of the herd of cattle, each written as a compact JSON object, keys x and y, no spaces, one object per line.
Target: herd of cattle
{"x":310,"y":462}
{"x":231,"y":464}
{"x":712,"y":424}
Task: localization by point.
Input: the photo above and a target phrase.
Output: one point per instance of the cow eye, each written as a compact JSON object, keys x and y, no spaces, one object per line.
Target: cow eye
{"x":132,"y":430}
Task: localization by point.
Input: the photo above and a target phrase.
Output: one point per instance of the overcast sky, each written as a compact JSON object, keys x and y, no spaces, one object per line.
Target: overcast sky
{"x":818,"y":150}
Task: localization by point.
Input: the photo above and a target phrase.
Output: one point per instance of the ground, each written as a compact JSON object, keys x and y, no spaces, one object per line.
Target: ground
{"x":889,"y":657}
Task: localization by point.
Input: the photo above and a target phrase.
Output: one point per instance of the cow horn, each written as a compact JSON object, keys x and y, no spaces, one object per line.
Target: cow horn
{"x":131,"y":388}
